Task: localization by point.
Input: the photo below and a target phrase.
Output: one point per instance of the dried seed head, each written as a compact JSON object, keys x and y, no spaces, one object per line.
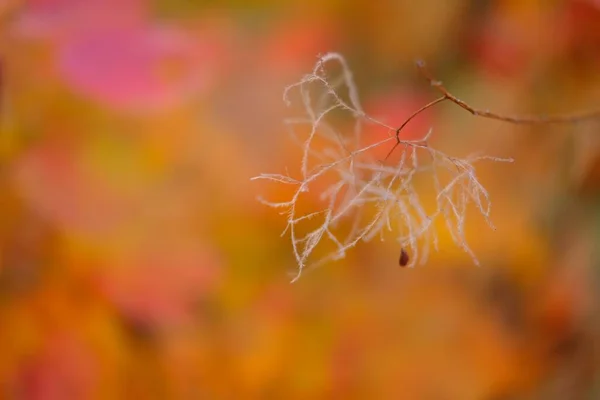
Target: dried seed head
{"x":357,"y":195}
{"x":404,"y":258}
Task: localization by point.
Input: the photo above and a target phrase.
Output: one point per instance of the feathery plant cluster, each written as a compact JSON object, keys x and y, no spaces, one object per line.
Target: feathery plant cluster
{"x":345,"y":193}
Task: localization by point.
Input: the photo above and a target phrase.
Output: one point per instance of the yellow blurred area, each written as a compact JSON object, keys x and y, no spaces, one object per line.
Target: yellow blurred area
{"x":137,"y":263}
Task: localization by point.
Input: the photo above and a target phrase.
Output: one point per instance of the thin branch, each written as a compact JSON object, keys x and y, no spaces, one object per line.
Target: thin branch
{"x":419,"y":111}
{"x":514,"y":119}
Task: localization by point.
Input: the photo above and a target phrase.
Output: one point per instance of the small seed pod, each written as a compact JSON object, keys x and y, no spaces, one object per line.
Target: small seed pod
{"x":404,"y":258}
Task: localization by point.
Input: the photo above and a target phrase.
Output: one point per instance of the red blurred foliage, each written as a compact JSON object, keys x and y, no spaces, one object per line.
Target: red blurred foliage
{"x":393,"y":108}
{"x":563,"y":305}
{"x":63,"y":368}
{"x":581,"y":22}
{"x":159,"y":287}
{"x":498,"y":47}
{"x":297,"y":43}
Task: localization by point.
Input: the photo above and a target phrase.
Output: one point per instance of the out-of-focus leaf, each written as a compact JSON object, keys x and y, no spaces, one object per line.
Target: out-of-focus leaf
{"x":135,"y":70}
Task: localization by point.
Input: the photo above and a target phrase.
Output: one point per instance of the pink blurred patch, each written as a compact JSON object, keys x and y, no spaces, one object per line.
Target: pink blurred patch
{"x":393,"y":109}
{"x":160,"y":286}
{"x":109,"y":52}
{"x":137,"y":70}
{"x":51,"y":177}
{"x":53,"y":19}
{"x":64,"y":369}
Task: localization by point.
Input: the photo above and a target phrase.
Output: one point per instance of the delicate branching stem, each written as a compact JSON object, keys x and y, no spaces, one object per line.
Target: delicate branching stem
{"x":514,"y":119}
{"x":358,"y":197}
{"x":419,"y":111}
{"x":535,"y":119}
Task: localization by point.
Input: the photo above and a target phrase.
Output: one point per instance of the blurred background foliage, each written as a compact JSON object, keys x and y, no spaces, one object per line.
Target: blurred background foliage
{"x":136,"y":263}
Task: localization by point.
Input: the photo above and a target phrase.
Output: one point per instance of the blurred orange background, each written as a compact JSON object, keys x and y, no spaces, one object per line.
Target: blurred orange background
{"x":136,"y":262}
